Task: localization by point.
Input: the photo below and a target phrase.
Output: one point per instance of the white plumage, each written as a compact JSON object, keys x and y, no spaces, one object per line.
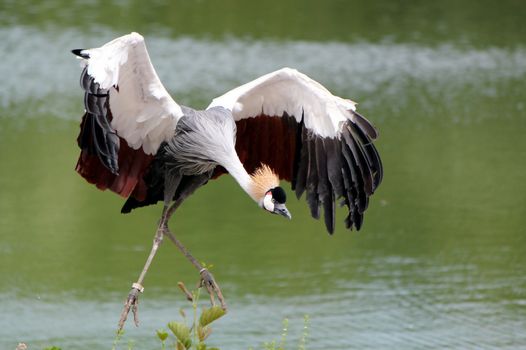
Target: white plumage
{"x":144,"y":114}
{"x":289,"y":91}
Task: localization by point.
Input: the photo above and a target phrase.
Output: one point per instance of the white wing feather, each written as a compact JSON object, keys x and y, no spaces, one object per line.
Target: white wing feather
{"x":287,"y":90}
{"x":143,"y":112}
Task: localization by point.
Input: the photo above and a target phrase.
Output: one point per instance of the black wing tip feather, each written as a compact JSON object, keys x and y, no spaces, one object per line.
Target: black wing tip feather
{"x":127,"y":207}
{"x":367,"y":148}
{"x":329,"y":169}
{"x":78,"y":52}
{"x":97,"y":136}
{"x":365,"y":125}
{"x":350,"y":167}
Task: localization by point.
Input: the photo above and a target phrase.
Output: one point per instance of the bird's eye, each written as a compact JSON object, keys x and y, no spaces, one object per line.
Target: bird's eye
{"x":273,"y":200}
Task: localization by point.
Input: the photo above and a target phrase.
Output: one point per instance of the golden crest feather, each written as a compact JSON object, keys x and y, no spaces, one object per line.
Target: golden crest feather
{"x":263,"y":179}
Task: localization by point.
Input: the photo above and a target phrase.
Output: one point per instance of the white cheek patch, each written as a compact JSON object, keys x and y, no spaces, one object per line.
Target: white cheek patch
{"x":268,"y":204}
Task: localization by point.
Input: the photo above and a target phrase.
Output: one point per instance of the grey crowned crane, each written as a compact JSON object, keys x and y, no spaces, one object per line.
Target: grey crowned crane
{"x":136,"y":141}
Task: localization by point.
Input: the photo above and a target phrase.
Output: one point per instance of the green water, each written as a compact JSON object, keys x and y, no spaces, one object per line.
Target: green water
{"x":441,"y":259}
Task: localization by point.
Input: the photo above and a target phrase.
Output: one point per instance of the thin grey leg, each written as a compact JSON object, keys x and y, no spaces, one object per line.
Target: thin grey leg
{"x":132,"y":302}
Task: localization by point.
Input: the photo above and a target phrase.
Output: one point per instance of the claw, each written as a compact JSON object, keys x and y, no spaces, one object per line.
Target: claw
{"x":132,"y":302}
{"x":208,"y":281}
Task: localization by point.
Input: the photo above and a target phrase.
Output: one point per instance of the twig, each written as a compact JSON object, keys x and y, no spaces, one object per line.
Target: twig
{"x":186,"y":292}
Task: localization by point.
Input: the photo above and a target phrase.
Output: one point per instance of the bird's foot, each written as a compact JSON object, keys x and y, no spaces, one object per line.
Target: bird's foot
{"x":132,"y":302}
{"x":208,"y":281}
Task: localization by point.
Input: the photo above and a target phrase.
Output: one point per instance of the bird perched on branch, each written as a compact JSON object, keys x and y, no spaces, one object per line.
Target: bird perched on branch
{"x":138,"y":142}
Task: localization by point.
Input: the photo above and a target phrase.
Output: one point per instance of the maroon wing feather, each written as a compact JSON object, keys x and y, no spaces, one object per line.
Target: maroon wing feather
{"x":327,"y":169}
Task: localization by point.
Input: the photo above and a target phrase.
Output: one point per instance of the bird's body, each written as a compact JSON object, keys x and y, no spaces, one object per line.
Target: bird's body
{"x":139,"y":143}
{"x":202,"y":141}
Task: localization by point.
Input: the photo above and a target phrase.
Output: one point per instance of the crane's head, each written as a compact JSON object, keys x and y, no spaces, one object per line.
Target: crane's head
{"x":274,"y":202}
{"x":267,"y":192}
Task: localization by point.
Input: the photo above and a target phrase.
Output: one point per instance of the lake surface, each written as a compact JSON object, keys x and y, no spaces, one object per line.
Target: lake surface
{"x":441,"y":259}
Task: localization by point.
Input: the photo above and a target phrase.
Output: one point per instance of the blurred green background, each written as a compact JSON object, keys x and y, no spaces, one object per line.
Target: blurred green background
{"x":441,"y":259}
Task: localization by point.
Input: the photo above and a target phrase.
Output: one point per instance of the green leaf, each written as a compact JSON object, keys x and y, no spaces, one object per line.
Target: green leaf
{"x":203,"y":332}
{"x":181,"y":332}
{"x":207,"y":266}
{"x":162,"y":334}
{"x":210,"y":315}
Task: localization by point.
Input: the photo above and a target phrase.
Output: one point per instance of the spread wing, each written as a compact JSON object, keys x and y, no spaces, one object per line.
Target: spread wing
{"x":128,"y":114}
{"x":313,"y":139}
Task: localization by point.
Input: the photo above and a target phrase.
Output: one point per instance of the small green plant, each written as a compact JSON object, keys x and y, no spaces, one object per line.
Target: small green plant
{"x":305,"y":334}
{"x":118,"y":336}
{"x":162,"y":335}
{"x":193,"y":336}
{"x":282,"y":344}
{"x":284,"y":334}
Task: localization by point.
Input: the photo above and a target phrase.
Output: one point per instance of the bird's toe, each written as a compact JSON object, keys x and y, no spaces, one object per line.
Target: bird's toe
{"x":208,"y":281}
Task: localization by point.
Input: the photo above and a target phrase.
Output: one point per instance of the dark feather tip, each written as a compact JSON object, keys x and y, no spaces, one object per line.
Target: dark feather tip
{"x":79,"y":53}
